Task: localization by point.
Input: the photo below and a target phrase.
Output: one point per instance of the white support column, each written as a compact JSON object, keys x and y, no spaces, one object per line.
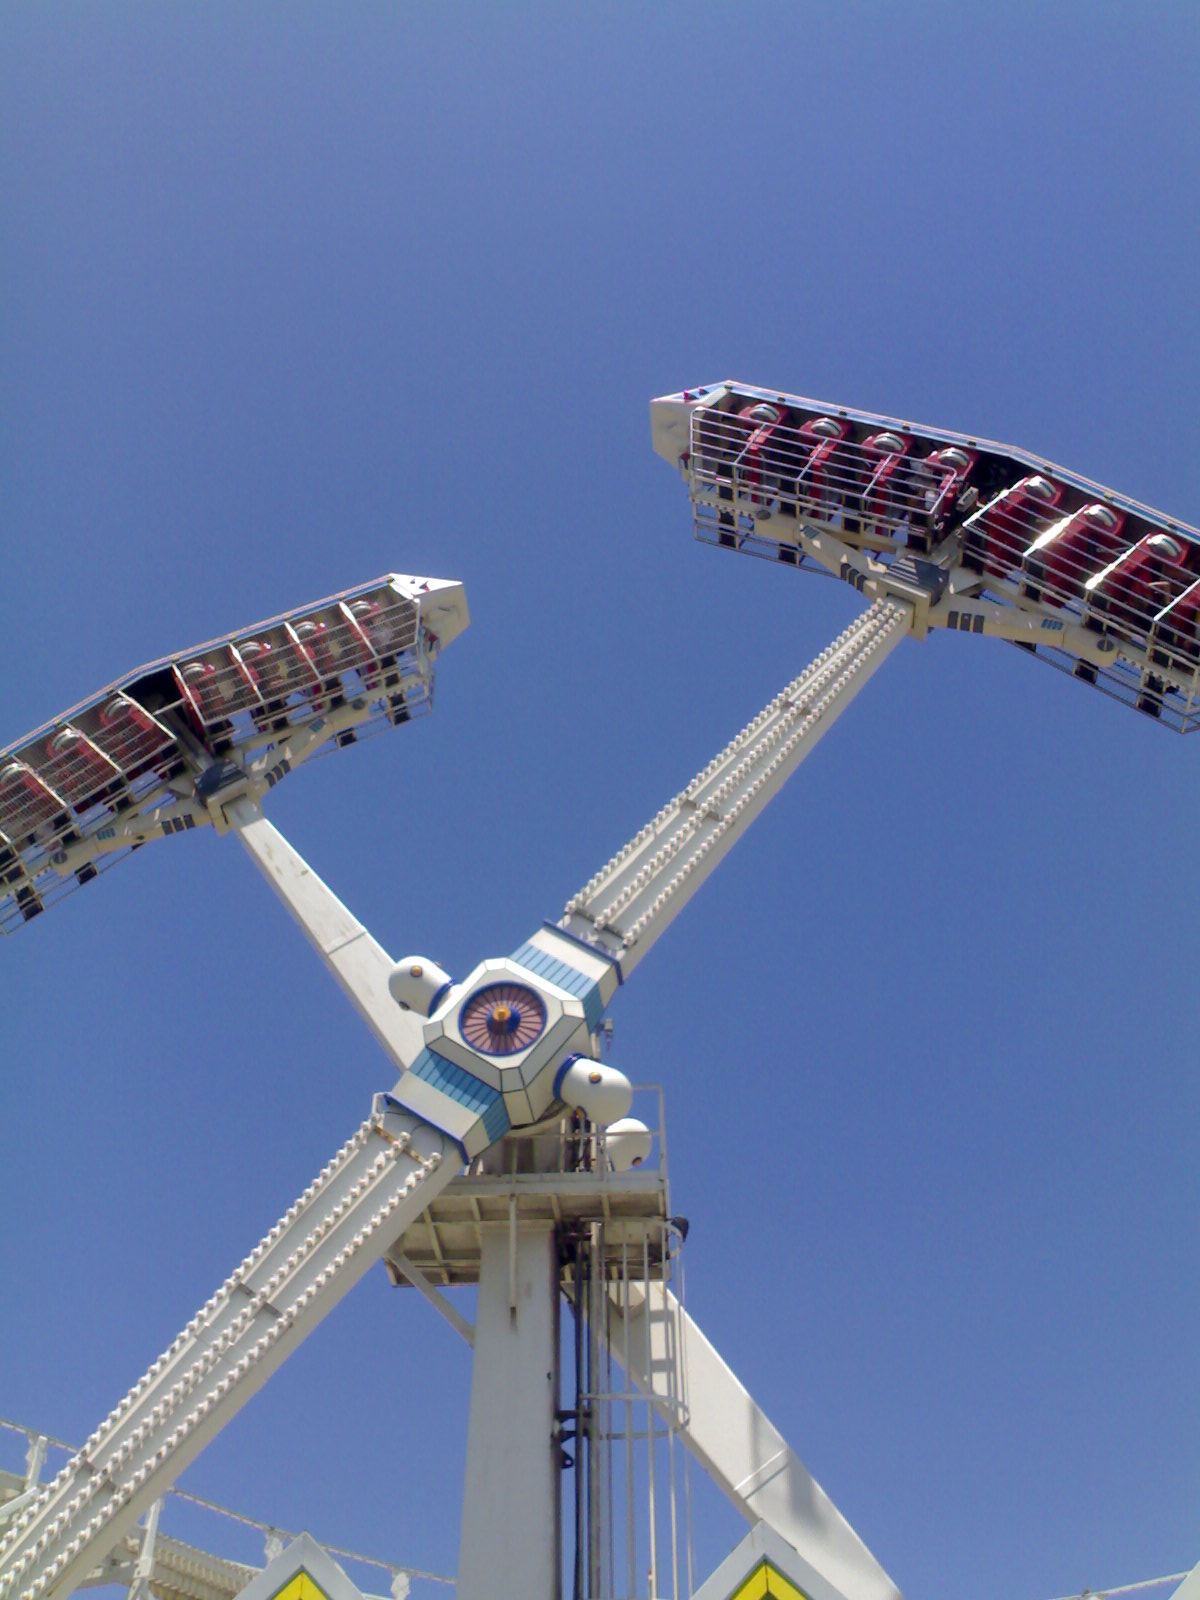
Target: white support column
{"x":35,"y":1460}
{"x":509,"y":1547}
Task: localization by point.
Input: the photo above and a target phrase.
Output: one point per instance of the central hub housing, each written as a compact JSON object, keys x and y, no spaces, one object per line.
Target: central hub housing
{"x":510,"y":1029}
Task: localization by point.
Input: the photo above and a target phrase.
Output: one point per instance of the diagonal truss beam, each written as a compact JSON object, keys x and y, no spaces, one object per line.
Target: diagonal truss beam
{"x":678,"y":1369}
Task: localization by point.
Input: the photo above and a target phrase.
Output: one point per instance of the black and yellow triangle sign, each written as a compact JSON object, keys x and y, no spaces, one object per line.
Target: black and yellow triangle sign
{"x":766,"y":1582}
{"x":301,"y":1587}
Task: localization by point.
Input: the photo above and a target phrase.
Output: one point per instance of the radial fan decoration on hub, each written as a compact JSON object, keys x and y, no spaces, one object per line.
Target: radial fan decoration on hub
{"x":502,"y":1019}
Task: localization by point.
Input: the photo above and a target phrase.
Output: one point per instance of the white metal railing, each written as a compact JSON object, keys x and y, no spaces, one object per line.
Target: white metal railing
{"x":270,"y":1536}
{"x":84,"y":790}
{"x":635,"y":1490}
{"x":781,"y":468}
{"x":762,"y":470}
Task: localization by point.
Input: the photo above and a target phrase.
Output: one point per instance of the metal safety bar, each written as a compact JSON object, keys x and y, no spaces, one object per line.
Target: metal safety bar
{"x":146,"y":757}
{"x":981,"y":520}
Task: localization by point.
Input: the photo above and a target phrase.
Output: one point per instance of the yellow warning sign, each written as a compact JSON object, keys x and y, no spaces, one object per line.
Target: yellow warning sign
{"x":767,"y":1583}
{"x":301,"y":1587}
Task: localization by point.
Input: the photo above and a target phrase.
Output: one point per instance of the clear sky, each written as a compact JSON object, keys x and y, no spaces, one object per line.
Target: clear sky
{"x":293,"y":296}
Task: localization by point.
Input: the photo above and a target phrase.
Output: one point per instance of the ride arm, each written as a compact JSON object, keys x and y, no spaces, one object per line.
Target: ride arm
{"x":375,"y":1188}
{"x":357,"y":961}
{"x":627,"y":905}
{"x":679,"y":1371}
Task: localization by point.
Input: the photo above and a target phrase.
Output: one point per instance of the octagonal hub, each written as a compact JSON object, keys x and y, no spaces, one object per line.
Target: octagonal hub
{"x":493,"y":1045}
{"x":510,"y":1028}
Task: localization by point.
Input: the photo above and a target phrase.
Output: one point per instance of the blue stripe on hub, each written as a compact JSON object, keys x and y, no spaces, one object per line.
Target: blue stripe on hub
{"x":457,"y":1084}
{"x":565,"y":977}
{"x":495,"y":1121}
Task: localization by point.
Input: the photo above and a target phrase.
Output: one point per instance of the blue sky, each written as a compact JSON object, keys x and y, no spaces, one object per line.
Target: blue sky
{"x":295,"y":296}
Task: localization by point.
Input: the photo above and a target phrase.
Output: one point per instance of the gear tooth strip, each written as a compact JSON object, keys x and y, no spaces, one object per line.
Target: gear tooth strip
{"x":110,"y":1473}
{"x":630,"y":896}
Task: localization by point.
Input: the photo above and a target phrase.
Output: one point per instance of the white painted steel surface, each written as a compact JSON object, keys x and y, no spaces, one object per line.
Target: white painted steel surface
{"x":388,"y":1174}
{"x":302,"y":1555}
{"x":373,"y":1189}
{"x":400,"y":1267}
{"x":763,"y":1544}
{"x":357,"y":961}
{"x":184,"y":1571}
{"x":668,"y":1356}
{"x":628,"y":904}
{"x":1189,"y":1589}
{"x":509,"y":1548}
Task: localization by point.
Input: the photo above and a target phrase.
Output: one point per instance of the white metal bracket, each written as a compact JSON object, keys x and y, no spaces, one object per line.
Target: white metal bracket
{"x":398,"y":1261}
{"x":139,"y":1589}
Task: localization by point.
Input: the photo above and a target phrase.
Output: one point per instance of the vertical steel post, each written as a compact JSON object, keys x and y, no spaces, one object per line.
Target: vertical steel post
{"x":595,"y":1411}
{"x":509,"y":1547}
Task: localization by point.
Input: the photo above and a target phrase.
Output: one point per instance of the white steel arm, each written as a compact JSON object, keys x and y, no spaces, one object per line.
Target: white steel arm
{"x":376,"y":1186}
{"x":1189,"y":1589}
{"x":672,"y":1362}
{"x":626,"y":906}
{"x":359,"y":962}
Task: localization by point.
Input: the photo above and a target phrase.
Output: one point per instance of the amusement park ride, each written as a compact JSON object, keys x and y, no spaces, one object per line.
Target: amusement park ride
{"x":504,"y":1154}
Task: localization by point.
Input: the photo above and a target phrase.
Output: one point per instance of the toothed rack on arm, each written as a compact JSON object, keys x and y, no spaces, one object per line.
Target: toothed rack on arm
{"x":385,"y":1175}
{"x":629,"y":903}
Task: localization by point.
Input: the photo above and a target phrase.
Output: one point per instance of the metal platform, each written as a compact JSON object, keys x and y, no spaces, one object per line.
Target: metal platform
{"x":446,"y":1245}
{"x":535,"y":1184}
